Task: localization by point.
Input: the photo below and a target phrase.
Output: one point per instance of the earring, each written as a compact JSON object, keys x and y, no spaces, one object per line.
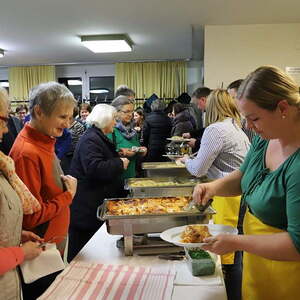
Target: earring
{"x":283,"y":116}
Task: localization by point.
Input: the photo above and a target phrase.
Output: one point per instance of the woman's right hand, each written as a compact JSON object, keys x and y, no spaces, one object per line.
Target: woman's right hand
{"x":203,"y":192}
{"x":70,"y":183}
{"x":125,"y":162}
{"x":31,"y":250}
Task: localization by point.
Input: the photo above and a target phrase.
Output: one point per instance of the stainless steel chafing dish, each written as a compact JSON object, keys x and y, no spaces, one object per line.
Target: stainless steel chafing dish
{"x":128,"y":225}
{"x":164,"y":169}
{"x":162,"y":186}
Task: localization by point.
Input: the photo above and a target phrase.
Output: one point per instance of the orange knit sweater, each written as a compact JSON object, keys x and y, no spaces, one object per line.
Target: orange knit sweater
{"x":38,"y":167}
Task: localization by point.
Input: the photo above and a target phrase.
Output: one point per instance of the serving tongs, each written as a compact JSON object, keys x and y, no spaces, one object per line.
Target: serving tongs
{"x":199,"y":207}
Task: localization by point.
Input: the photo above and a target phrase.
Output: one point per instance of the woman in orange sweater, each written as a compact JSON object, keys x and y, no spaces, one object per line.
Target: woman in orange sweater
{"x":51,"y":110}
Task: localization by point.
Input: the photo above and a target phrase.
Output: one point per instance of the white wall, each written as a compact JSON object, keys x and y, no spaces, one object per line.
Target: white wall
{"x":233,"y":51}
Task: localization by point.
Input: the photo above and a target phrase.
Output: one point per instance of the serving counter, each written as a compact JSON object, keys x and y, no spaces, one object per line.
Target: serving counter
{"x":102,"y":249}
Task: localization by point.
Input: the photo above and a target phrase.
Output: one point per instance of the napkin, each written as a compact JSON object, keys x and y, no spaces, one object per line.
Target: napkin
{"x":48,"y":262}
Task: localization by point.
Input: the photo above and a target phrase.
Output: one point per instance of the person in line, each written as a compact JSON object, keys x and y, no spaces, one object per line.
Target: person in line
{"x":223,"y":149}
{"x":197,"y":110}
{"x":124,"y":136}
{"x":16,"y":245}
{"x":51,"y":109}
{"x":98,"y":168}
{"x":22,"y":112}
{"x":157,"y":128}
{"x":124,"y":90}
{"x":84,"y":110}
{"x":139,"y":118}
{"x":232,"y":90}
{"x":181,"y":120}
{"x":270,"y":183}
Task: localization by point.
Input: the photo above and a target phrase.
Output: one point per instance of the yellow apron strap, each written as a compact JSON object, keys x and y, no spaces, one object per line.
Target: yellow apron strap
{"x":265,"y":279}
{"x":227,"y":209}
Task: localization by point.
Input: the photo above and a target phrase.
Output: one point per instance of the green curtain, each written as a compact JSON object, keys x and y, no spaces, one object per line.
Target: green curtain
{"x":22,"y":79}
{"x":167,"y":79}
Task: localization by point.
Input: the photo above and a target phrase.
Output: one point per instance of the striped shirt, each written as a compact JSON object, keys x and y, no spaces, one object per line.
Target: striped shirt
{"x":223,"y":148}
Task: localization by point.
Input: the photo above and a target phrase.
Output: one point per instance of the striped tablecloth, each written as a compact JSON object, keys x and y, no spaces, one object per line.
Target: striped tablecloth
{"x":81,"y":280}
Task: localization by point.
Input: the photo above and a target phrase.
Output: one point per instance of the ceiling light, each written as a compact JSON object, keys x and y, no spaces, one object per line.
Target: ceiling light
{"x":100,"y":91}
{"x":74,"y":82}
{"x":107,"y":43}
{"x":1,"y":52}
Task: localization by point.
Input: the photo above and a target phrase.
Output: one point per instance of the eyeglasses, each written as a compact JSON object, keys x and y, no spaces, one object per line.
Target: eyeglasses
{"x":5,"y":119}
{"x":127,"y":111}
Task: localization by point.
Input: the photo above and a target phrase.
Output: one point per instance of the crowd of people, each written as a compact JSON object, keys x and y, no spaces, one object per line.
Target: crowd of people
{"x":246,"y":141}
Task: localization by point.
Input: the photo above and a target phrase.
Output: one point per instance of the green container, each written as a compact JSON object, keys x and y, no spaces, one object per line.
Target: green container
{"x":202,"y":263}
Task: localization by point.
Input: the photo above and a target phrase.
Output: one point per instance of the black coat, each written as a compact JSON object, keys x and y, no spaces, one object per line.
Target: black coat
{"x":98,"y":168}
{"x":157,"y":127}
{"x":182,"y":124}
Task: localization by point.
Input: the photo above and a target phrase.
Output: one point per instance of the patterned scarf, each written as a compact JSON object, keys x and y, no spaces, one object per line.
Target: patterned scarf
{"x":29,"y":202}
{"x":127,"y":131}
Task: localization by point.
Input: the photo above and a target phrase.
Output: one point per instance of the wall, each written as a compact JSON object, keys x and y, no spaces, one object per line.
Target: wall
{"x":233,"y":51}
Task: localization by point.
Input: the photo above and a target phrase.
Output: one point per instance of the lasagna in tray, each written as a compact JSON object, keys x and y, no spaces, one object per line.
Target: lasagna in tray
{"x":145,"y":206}
{"x":194,"y":234}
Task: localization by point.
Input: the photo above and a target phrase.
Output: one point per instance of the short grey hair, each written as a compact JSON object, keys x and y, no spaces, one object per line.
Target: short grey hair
{"x":120,"y":101}
{"x":101,"y":115}
{"x":47,"y":96}
{"x":124,"y":90}
{"x":158,"y":105}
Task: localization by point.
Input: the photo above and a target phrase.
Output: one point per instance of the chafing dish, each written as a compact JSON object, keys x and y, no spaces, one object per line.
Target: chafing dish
{"x":165,"y":169}
{"x":162,"y":186}
{"x":128,"y":225}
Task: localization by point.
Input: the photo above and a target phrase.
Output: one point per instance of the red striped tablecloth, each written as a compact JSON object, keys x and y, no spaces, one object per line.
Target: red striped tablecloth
{"x":81,"y":280}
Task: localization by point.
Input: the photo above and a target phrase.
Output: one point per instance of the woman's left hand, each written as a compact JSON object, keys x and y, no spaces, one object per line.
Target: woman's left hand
{"x":30,"y":236}
{"x":126,"y":152}
{"x":184,"y":158}
{"x":221,"y":244}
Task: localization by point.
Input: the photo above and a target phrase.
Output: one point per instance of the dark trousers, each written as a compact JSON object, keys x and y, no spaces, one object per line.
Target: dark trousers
{"x":35,"y":289}
{"x":233,"y":277}
{"x":77,"y":239}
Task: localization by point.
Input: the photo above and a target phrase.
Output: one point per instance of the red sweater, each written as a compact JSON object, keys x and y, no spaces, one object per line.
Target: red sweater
{"x":10,"y":257}
{"x":39,"y":168}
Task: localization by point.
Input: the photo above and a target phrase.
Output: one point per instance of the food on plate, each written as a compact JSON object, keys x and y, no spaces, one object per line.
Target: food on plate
{"x":194,"y":234}
{"x":143,"y":206}
{"x":155,"y":183}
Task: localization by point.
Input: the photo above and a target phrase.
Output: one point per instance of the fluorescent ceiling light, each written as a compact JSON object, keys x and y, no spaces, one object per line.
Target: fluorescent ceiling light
{"x":1,"y":52}
{"x":74,"y":82}
{"x":107,"y":43}
{"x":4,"y":84}
{"x":100,"y":91}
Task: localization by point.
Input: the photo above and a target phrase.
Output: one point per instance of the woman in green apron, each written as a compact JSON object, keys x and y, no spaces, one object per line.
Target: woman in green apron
{"x":270,"y":184}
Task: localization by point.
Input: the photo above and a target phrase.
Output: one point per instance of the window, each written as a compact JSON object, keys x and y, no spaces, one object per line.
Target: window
{"x":5,"y":84}
{"x":74,"y":84}
{"x":102,"y":88}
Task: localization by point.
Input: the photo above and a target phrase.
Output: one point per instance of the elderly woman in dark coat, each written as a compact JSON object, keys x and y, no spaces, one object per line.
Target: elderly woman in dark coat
{"x":98,"y":168}
{"x":157,"y":128}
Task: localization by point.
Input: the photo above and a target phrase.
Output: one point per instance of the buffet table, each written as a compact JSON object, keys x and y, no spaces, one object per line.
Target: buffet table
{"x":102,"y":249}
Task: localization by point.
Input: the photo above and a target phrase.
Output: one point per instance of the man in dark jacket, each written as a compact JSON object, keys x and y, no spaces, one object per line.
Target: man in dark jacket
{"x":157,"y":128}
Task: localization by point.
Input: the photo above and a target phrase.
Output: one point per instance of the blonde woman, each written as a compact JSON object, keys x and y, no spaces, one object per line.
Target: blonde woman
{"x":223,"y":148}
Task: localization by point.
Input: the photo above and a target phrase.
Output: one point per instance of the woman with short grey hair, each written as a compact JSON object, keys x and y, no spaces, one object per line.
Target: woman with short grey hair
{"x":124,"y":136}
{"x":97,"y":166}
{"x":51,"y":109}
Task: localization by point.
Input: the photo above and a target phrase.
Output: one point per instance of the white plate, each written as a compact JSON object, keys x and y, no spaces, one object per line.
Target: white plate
{"x":173,"y":235}
{"x":179,"y":140}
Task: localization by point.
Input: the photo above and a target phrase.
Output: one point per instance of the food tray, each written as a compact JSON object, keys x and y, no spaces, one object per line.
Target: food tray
{"x":165,"y":169}
{"x":150,"y":223}
{"x":162,"y":186}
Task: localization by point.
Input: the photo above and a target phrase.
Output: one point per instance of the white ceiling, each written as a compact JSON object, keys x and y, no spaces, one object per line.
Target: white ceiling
{"x":47,"y":32}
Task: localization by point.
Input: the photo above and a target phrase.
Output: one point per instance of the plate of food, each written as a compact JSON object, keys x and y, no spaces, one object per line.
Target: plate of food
{"x":191,"y":236}
{"x":178,"y":139}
